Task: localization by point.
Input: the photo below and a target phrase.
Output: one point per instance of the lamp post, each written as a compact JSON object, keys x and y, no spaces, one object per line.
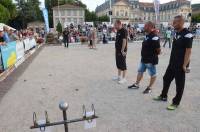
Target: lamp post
{"x":110,"y":13}
{"x":58,"y":11}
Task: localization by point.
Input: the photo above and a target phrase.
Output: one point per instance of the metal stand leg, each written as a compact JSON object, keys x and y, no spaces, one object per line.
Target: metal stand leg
{"x":65,"y":119}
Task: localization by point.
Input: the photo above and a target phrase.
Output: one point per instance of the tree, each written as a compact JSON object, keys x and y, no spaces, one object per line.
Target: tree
{"x":4,"y":14}
{"x":10,"y":6}
{"x":104,"y":18}
{"x":90,"y":16}
{"x":59,"y":27}
{"x":29,"y":11}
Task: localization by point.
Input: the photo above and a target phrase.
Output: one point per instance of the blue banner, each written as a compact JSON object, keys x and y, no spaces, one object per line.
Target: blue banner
{"x":8,"y":53}
{"x":46,"y":18}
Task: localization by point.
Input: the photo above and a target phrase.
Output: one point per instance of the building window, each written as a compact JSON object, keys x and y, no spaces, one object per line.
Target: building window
{"x":55,"y":12}
{"x":80,"y":13}
{"x":62,"y":12}
{"x":75,"y":12}
{"x":63,"y":20}
{"x":68,"y":19}
{"x":75,"y":20}
{"x":122,"y":13}
{"x":126,"y":14}
{"x":117,"y":13}
{"x":69,"y":13}
{"x":56,"y":21}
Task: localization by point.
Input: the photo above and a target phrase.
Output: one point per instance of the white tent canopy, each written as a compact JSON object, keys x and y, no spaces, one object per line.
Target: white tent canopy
{"x":2,"y":25}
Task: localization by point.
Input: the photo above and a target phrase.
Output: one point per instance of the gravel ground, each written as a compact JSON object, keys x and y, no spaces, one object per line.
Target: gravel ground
{"x":80,"y":76}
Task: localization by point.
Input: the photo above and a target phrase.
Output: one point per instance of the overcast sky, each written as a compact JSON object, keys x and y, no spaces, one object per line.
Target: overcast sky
{"x":91,"y":4}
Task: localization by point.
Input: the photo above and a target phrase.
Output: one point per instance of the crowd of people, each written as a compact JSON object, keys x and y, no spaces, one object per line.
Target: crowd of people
{"x":105,"y":33}
{"x":100,"y":33}
{"x":151,"y":49}
{"x":9,"y":35}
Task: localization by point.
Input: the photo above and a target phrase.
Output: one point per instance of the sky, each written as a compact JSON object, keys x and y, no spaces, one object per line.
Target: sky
{"x":91,"y":4}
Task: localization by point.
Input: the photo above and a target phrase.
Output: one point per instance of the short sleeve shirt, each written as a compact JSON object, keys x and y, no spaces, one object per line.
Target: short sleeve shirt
{"x":181,"y":41}
{"x":168,"y":33}
{"x":149,"y":51}
{"x":121,"y":34}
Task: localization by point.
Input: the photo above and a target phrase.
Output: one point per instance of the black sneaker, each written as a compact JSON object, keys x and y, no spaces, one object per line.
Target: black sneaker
{"x":159,"y":98}
{"x":134,"y":86}
{"x":147,"y":91}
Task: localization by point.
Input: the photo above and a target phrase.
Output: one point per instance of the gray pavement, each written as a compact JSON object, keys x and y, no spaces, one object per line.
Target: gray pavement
{"x":80,"y":76}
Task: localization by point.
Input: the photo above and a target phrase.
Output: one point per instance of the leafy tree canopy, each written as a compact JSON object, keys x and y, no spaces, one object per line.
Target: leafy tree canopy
{"x":4,"y":14}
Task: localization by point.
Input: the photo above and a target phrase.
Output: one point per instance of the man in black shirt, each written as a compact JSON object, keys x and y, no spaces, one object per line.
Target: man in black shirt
{"x":149,"y":57}
{"x":66,"y":37}
{"x":180,"y":56}
{"x":120,"y":52}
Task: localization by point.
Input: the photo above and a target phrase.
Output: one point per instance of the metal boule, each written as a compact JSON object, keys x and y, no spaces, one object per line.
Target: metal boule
{"x":63,"y":105}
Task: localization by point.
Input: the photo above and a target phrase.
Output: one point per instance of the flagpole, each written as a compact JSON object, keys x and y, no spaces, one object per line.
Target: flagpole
{"x":109,"y":12}
{"x":59,"y":10}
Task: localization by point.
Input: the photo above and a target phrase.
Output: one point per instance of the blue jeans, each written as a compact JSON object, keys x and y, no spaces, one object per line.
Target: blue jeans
{"x":150,"y":67}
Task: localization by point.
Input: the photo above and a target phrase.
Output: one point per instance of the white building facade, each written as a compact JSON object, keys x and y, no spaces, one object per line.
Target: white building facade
{"x":68,"y":14}
{"x":133,"y":11}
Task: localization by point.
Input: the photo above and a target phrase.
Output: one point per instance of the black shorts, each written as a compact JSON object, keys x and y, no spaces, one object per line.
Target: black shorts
{"x":121,"y":61}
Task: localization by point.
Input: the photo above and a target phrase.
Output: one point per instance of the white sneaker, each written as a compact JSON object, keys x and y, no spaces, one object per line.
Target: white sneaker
{"x":116,"y":78}
{"x":122,"y":81}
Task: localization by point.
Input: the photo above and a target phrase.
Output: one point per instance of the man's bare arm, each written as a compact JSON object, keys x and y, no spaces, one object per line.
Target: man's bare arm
{"x":124,"y":44}
{"x":187,"y":57}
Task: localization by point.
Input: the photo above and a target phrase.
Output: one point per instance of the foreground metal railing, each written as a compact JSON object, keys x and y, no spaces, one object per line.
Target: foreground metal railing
{"x":42,"y":124}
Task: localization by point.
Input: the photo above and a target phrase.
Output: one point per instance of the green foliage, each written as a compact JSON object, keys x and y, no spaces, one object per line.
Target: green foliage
{"x":29,"y":11}
{"x":4,"y":14}
{"x":104,"y":19}
{"x":196,"y":18}
{"x":59,"y":27}
{"x":90,"y":16}
{"x":10,"y":6}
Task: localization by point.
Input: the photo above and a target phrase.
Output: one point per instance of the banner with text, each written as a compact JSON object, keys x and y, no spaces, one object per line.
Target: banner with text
{"x":20,"y":49}
{"x":8,"y":52}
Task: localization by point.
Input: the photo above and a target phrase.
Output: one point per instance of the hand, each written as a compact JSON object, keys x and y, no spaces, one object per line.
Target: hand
{"x":3,"y":43}
{"x":123,"y":53}
{"x":184,"y":68}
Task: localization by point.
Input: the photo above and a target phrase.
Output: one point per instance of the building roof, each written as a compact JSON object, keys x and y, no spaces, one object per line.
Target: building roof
{"x":68,"y":6}
{"x":147,"y":6}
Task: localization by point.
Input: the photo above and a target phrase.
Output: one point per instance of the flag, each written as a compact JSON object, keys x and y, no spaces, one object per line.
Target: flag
{"x":46,"y":19}
{"x":157,"y":9}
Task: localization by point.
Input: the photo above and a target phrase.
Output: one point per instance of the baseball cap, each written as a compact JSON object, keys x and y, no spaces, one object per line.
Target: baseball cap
{"x":1,"y":29}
